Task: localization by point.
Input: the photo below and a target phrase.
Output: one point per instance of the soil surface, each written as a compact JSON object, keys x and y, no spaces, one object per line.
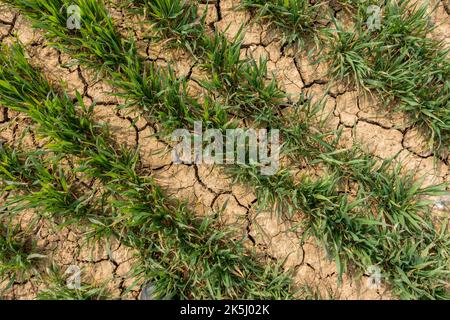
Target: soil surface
{"x":206,"y":188}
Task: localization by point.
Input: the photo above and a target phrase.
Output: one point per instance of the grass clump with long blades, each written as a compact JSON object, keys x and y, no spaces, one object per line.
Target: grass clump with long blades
{"x":374,"y":225}
{"x":175,"y":20}
{"x":413,"y":262}
{"x":402,"y":62}
{"x":239,"y":83}
{"x":44,"y":185}
{"x":178,"y":251}
{"x":99,"y":46}
{"x":57,"y":288}
{"x":18,"y":254}
{"x":392,"y":229}
{"x":296,"y":19}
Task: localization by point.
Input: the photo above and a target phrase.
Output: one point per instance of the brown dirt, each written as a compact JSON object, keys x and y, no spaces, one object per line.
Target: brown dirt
{"x":206,"y":188}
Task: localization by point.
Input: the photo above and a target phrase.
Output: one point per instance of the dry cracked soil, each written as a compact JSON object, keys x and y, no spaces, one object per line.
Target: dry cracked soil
{"x":206,"y":189}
